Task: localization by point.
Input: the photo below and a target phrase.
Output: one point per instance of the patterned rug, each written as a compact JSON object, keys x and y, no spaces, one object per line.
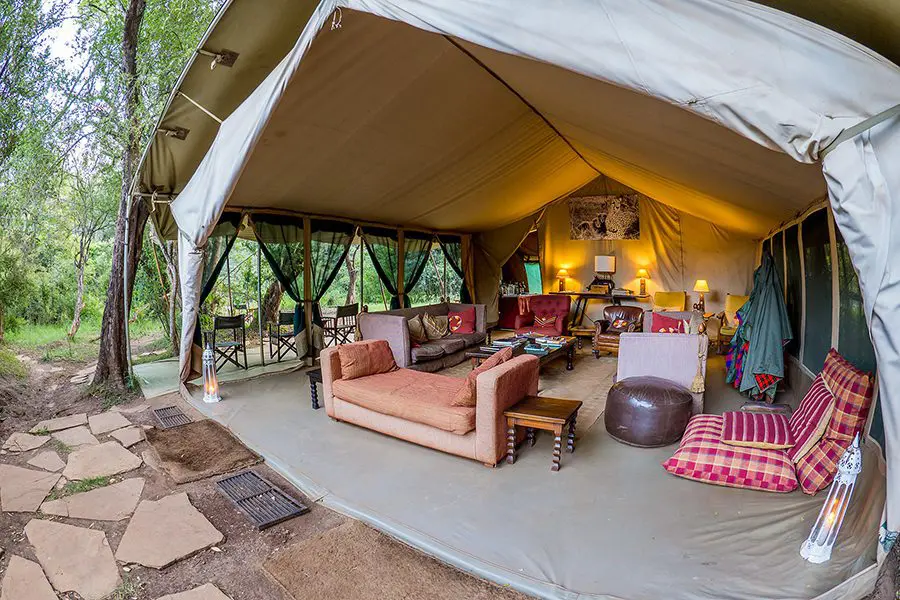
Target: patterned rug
{"x":589,"y":382}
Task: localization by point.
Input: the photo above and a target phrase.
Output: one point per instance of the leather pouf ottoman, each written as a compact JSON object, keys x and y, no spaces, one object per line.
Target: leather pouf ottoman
{"x":647,"y":411}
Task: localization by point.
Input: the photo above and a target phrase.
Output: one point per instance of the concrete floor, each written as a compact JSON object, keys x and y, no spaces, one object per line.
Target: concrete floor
{"x":610,"y":524}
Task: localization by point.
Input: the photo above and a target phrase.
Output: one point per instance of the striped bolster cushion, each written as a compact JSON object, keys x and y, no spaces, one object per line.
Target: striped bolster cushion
{"x":809,"y":421}
{"x":756,"y":430}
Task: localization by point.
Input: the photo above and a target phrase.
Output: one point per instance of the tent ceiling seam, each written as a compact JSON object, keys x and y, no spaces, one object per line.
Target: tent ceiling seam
{"x":521,"y":98}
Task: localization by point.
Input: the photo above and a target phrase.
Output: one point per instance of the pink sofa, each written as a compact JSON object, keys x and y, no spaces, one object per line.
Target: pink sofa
{"x":416,"y":406}
{"x":545,"y":305}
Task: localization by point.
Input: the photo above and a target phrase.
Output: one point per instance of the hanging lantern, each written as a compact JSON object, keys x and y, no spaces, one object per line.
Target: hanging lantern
{"x":817,"y":547}
{"x":210,"y":381}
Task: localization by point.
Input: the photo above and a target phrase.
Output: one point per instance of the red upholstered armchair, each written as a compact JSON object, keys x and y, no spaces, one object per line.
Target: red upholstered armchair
{"x":545,"y":306}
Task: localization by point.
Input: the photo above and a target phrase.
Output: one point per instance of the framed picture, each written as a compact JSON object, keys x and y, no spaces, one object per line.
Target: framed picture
{"x":611,"y":217}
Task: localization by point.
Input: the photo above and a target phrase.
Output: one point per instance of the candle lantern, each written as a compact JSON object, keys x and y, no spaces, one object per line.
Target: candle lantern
{"x":817,"y":547}
{"x":210,"y":381}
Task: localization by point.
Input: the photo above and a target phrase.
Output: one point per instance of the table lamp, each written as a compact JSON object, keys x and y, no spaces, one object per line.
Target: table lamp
{"x":561,"y":275}
{"x":701,"y":286}
{"x":644,"y":276}
{"x":604,"y":267}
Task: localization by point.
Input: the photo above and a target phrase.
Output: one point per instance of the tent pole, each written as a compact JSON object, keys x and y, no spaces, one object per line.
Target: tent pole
{"x":230,"y":299}
{"x":259,"y":305}
{"x":307,"y":289}
{"x":362,"y":298}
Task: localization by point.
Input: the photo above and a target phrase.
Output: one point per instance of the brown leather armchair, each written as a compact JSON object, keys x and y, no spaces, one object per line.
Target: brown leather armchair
{"x":616,"y":321}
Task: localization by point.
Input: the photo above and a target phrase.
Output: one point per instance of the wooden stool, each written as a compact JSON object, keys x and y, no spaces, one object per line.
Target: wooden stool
{"x":550,"y":414}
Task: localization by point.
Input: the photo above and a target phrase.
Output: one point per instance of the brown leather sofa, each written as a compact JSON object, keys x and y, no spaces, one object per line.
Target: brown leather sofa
{"x":606,"y":338}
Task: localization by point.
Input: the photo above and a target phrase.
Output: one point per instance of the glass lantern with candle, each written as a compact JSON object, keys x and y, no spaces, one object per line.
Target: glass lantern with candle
{"x":210,"y":381}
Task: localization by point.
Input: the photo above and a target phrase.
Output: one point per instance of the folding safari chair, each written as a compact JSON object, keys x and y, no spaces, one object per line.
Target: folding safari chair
{"x":234,"y":345}
{"x":341,"y":328}
{"x":283,"y":338}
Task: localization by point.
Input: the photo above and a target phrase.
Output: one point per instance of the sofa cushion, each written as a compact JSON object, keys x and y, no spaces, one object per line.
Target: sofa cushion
{"x":545,"y":320}
{"x":416,"y":328}
{"x":852,"y":390}
{"x":756,"y":430}
{"x":436,"y":326}
{"x":425,"y":352}
{"x":462,"y":321}
{"x":607,"y":337}
{"x":470,"y":339}
{"x":466,"y":394}
{"x":451,"y":344}
{"x":703,"y":456}
{"x":809,"y":421}
{"x":368,"y":357}
{"x":816,"y":469}
{"x":664,"y":324}
{"x":411,"y":395}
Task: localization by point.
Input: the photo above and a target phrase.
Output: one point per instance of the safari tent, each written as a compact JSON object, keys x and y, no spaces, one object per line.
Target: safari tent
{"x":743,"y":128}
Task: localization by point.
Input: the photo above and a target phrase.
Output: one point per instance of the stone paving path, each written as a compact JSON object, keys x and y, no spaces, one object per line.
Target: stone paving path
{"x":23,"y":442}
{"x":23,"y":490}
{"x":75,"y":437}
{"x":106,"y":422}
{"x":24,"y":580}
{"x":128,"y":436}
{"x":204,"y":592}
{"x":48,"y":461}
{"x":166,"y":531}
{"x":104,"y":460}
{"x":111,"y":503}
{"x":60,"y":423}
{"x":75,"y":559}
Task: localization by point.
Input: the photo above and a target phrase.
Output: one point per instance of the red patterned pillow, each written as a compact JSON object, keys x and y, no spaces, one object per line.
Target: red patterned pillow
{"x":756,"y":430}
{"x":462,"y":321}
{"x":622,"y":326}
{"x":809,"y":421}
{"x":548,"y":321}
{"x":703,"y":456}
{"x":852,"y":390}
{"x":664,"y":324}
{"x":817,"y":468}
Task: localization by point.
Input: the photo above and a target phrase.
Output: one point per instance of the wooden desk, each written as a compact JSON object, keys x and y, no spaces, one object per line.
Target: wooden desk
{"x":582,"y":299}
{"x":549,"y":414}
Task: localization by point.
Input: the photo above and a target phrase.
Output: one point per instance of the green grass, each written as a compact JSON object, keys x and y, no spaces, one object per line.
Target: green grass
{"x":77,"y":487}
{"x":51,"y":342}
{"x":127,"y":590}
{"x":41,"y":431}
{"x":10,"y":365}
{"x":61,"y":447}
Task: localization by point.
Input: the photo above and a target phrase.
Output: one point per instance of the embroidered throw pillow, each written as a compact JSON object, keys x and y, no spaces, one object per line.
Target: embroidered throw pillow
{"x":368,"y":357}
{"x":622,"y":326}
{"x":852,"y":390}
{"x":462,"y":321}
{"x":809,"y":421}
{"x":417,"y":330}
{"x":548,"y":321}
{"x":466,"y":394}
{"x":756,"y":430}
{"x":664,"y":324}
{"x":436,"y":326}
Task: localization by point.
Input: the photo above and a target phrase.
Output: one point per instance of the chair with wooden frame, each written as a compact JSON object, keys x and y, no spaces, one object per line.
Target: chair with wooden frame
{"x":341,"y":328}
{"x":230,"y":350}
{"x":283,"y":338}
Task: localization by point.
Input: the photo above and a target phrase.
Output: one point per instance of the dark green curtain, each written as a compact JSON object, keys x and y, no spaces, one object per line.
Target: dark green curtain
{"x":452,"y":247}
{"x":417,"y":250}
{"x":794,"y":298}
{"x":281,"y":241}
{"x":330,"y":242}
{"x":778,"y":254}
{"x":214,"y":255}
{"x":384,"y":250}
{"x":817,"y":268}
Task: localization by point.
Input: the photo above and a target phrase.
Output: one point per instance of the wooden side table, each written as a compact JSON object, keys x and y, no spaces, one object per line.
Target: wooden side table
{"x":549,"y":414}
{"x":315,"y":376}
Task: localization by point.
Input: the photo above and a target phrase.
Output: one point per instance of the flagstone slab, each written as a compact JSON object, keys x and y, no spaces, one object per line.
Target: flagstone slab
{"x":206,"y":591}
{"x":131,"y":410}
{"x":23,"y":442}
{"x":25,"y":580}
{"x":48,"y":461}
{"x":75,"y":559}
{"x":106,"y":422}
{"x":23,"y":490}
{"x":75,"y":437}
{"x":104,"y":460}
{"x":60,"y":423}
{"x":111,"y":503}
{"x":165,"y":531}
{"x":128,"y":436}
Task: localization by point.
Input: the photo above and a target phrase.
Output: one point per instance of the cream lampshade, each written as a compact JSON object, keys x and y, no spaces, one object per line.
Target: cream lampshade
{"x":701,"y":286}
{"x":604,"y":264}
{"x":561,"y":275}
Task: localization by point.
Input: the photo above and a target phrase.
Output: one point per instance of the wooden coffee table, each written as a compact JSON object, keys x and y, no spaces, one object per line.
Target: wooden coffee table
{"x":549,"y":414}
{"x":568,"y":348}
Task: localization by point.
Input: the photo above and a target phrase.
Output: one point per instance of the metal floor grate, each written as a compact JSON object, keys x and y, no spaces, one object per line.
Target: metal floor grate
{"x":262,"y":503}
{"x":170,"y":416}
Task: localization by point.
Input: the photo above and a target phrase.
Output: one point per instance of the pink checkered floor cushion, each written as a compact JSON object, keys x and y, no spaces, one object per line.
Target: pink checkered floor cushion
{"x":754,"y":430}
{"x":703,"y":456}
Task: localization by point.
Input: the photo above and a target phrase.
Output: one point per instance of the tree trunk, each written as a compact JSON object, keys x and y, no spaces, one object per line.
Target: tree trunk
{"x":271,"y":302}
{"x":112,"y":361}
{"x":79,"y":300}
{"x":352,"y":271}
{"x":2,"y":322}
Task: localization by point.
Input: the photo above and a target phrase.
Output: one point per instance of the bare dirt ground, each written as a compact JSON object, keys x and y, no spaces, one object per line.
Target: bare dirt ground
{"x":235,"y":566}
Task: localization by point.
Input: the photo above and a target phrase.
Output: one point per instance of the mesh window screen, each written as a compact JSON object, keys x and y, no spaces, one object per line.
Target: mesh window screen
{"x":817,"y":269}
{"x":794,"y":287}
{"x":854,"y":342}
{"x":778,"y":255}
